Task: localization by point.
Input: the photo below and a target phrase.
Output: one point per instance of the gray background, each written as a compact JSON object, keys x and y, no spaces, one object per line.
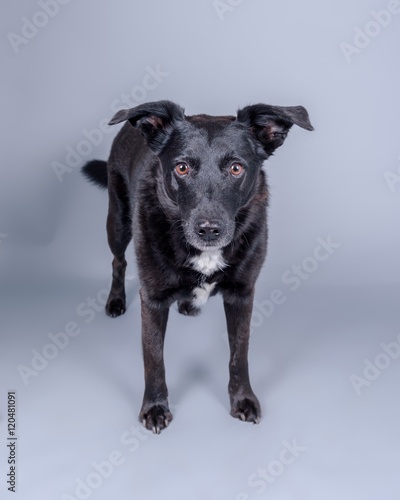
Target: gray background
{"x":338,"y":182}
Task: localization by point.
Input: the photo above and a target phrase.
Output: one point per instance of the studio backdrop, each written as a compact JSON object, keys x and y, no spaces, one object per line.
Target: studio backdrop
{"x":325,"y":340}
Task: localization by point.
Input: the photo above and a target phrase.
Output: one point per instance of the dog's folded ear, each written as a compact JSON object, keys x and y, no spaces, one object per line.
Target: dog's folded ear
{"x":155,"y":120}
{"x":271,"y":124}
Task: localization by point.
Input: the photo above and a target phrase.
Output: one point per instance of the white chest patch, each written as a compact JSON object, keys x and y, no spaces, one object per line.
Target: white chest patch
{"x":201,"y":294}
{"x":208,"y":262}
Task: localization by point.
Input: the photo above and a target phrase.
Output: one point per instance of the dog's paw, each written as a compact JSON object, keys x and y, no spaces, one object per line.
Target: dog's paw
{"x":156,"y":418}
{"x":186,"y":308}
{"x":247,"y":409}
{"x":115,"y":306}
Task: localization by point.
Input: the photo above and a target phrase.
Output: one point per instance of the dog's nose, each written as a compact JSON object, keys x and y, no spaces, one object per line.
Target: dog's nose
{"x":208,"y":230}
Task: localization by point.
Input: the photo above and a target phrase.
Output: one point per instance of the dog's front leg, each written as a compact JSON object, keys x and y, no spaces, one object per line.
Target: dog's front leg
{"x":244,"y":403}
{"x":155,"y":414}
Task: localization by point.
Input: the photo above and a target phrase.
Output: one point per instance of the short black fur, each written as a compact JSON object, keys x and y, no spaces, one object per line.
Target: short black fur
{"x":191,"y":192}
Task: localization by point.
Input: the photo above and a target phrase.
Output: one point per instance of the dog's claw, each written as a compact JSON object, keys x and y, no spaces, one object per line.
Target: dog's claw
{"x":247,"y":410}
{"x":156,"y":418}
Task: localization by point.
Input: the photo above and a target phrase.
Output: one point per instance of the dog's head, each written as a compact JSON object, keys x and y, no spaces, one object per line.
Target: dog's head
{"x":210,"y":165}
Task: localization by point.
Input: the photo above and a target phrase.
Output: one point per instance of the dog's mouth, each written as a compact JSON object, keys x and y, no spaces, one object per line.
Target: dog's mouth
{"x":206,"y":247}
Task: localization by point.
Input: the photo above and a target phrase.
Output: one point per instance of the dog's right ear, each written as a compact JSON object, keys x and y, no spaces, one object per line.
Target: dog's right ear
{"x":155,"y":120}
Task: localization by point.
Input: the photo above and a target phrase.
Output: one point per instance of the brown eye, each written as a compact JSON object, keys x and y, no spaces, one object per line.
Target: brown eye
{"x":236,"y":169}
{"x":182,"y":169}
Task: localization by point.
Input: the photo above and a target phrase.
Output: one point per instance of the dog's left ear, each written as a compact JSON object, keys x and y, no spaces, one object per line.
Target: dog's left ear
{"x":271,"y":124}
{"x":155,"y":120}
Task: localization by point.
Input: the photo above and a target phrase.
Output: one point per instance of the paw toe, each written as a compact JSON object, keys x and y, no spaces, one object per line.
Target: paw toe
{"x":156,"y":418}
{"x":115,"y":307}
{"x":247,"y":410}
{"x":187,"y":308}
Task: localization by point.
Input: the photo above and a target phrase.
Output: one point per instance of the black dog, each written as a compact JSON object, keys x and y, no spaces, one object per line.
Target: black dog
{"x":191,"y":192}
